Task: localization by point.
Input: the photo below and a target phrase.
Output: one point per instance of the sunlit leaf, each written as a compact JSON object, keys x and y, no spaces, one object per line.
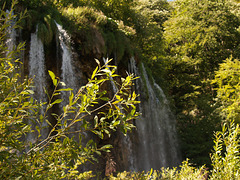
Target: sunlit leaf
{"x":53,"y":77}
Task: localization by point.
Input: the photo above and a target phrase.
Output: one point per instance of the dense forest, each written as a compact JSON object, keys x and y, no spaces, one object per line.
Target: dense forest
{"x":190,"y":48}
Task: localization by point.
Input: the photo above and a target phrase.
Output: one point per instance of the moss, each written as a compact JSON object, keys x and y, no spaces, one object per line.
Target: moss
{"x":96,"y":33}
{"x":128,"y":50}
{"x":51,"y":27}
{"x":38,"y":14}
{"x":31,"y":20}
{"x":46,"y":29}
{"x":110,"y":41}
{"x":42,"y":31}
{"x":110,"y":25}
{"x":127,"y":30}
{"x":120,"y":45}
{"x":81,"y":15}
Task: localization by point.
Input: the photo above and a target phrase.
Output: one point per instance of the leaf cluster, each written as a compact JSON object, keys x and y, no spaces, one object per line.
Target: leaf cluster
{"x":225,"y":158}
{"x":97,"y":33}
{"x":227,"y":80}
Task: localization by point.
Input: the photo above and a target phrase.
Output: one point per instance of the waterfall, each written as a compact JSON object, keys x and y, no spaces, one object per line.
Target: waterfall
{"x":67,"y":75}
{"x":155,"y":144}
{"x":38,"y":73}
{"x":157,"y":137}
{"x":37,"y":66}
{"x":12,"y":34}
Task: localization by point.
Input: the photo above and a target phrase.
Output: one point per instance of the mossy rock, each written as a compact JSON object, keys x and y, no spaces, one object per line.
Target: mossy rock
{"x":31,"y":20}
{"x":46,"y":30}
{"x":110,"y":41}
{"x":51,"y":28}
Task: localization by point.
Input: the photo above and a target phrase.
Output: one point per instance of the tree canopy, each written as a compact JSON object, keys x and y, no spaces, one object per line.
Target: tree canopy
{"x":199,"y":36}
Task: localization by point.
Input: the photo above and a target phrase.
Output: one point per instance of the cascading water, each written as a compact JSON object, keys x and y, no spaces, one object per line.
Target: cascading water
{"x":12,"y":34}
{"x":157,"y":146}
{"x":38,"y":73}
{"x":67,"y":75}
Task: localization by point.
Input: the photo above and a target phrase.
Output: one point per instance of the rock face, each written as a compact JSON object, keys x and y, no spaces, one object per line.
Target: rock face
{"x":153,"y":144}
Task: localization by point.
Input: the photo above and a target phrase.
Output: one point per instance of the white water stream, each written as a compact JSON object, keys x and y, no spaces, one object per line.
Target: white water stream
{"x":67,"y":75}
{"x":37,"y":71}
{"x":12,"y":34}
{"x":69,"y":78}
{"x":157,"y":145}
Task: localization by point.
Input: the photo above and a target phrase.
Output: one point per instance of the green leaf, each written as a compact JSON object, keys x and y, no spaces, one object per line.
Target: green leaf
{"x":106,"y":70}
{"x":108,"y":146}
{"x":94,"y":72}
{"x":62,"y":83}
{"x":67,"y":89}
{"x":57,"y":101}
{"x":104,"y":98}
{"x":97,"y":61}
{"x":96,"y":121}
{"x":56,"y":94}
{"x":98,"y":153}
{"x":116,"y":123}
{"x":53,"y":77}
{"x":71,"y":98}
{"x":27,"y":92}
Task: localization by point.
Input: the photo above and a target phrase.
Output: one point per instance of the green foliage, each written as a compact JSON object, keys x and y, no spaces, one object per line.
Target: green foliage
{"x":14,"y":101}
{"x":85,"y":24}
{"x":134,"y":175}
{"x":186,"y":171}
{"x":98,"y":33}
{"x":227,"y":79}
{"x":65,"y":3}
{"x":149,"y":17}
{"x":103,"y":28}
{"x":46,"y":29}
{"x":115,"y":9}
{"x":226,"y":155}
{"x":225,"y":161}
{"x":85,"y":14}
{"x":204,"y":32}
{"x":57,"y":155}
{"x":41,"y":13}
{"x":35,"y":4}
{"x":199,"y":35}
{"x":5,"y":3}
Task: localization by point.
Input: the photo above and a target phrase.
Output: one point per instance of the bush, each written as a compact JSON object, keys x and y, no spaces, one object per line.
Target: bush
{"x":228,"y":89}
